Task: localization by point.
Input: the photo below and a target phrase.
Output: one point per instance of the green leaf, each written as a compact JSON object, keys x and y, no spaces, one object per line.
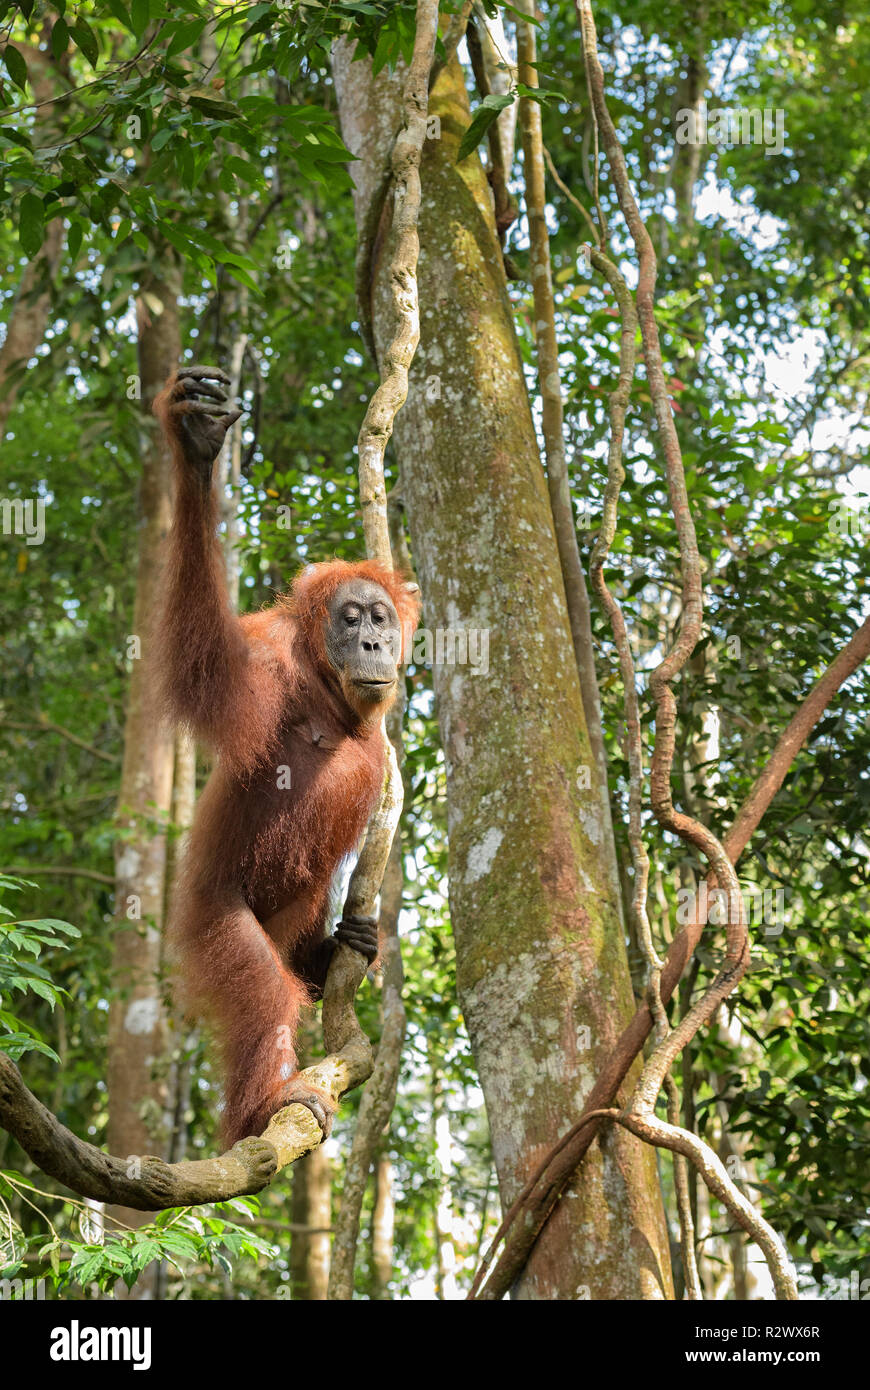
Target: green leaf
{"x":45,"y":991}
{"x":238,"y":273}
{"x":486,"y":114}
{"x":183,"y":244}
{"x":15,"y":66}
{"x":262,"y":18}
{"x":86,"y":40}
{"x":211,"y":105}
{"x":185,"y":36}
{"x":146,"y":1250}
{"x":86,"y":1264}
{"x":60,"y":38}
{"x":31,"y":225}
{"x":51,"y":924}
{"x":122,"y":13}
{"x":384,"y":47}
{"x":243,"y":169}
{"x":540,"y":94}
{"x":17,"y":137}
{"x":140,"y":13}
{"x":74,"y":239}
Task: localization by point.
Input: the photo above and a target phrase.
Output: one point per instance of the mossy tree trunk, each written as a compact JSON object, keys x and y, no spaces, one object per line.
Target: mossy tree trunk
{"x":541,"y":963}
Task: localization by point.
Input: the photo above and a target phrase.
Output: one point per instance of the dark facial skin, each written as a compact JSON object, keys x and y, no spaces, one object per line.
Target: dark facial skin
{"x":363,"y":644}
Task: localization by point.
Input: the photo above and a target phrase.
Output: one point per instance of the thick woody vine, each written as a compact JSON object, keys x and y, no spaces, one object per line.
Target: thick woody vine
{"x":380,"y":1093}
{"x":527,"y":1215}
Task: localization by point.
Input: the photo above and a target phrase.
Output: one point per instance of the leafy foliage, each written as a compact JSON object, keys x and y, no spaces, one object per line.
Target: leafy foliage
{"x":207,"y":143}
{"x":18,"y":941}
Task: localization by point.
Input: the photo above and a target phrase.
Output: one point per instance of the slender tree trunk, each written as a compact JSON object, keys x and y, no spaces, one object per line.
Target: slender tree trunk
{"x":312,"y":1208}
{"x":541,"y":964}
{"x":445,"y":1235}
{"x":179,"y":1078}
{"x":27,"y":322}
{"x":137,"y":1019}
{"x":383,"y":1228}
{"x":183,"y":806}
{"x":28,"y":317}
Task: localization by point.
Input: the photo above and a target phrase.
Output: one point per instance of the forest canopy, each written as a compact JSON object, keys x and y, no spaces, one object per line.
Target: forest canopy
{"x":607,"y":269}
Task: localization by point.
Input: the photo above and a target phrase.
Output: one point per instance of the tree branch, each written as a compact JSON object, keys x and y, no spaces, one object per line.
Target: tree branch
{"x":453,"y":36}
{"x":45,"y":726}
{"x":61,"y":870}
{"x":790,"y":741}
{"x":148,"y":1184}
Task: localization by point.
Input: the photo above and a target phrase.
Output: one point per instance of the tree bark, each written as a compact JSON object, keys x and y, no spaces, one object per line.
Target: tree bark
{"x":383,"y":1228}
{"x":553,"y":422}
{"x":137,"y":1019}
{"x":312,"y":1209}
{"x":540,"y":955}
{"x":28,"y":317}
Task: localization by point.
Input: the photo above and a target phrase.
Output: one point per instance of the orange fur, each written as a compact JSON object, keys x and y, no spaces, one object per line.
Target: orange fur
{"x":250,"y":905}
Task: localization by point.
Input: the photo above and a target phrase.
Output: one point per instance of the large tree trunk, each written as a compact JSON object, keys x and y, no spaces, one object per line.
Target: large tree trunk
{"x":137,"y":1020}
{"x":541,"y":964}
